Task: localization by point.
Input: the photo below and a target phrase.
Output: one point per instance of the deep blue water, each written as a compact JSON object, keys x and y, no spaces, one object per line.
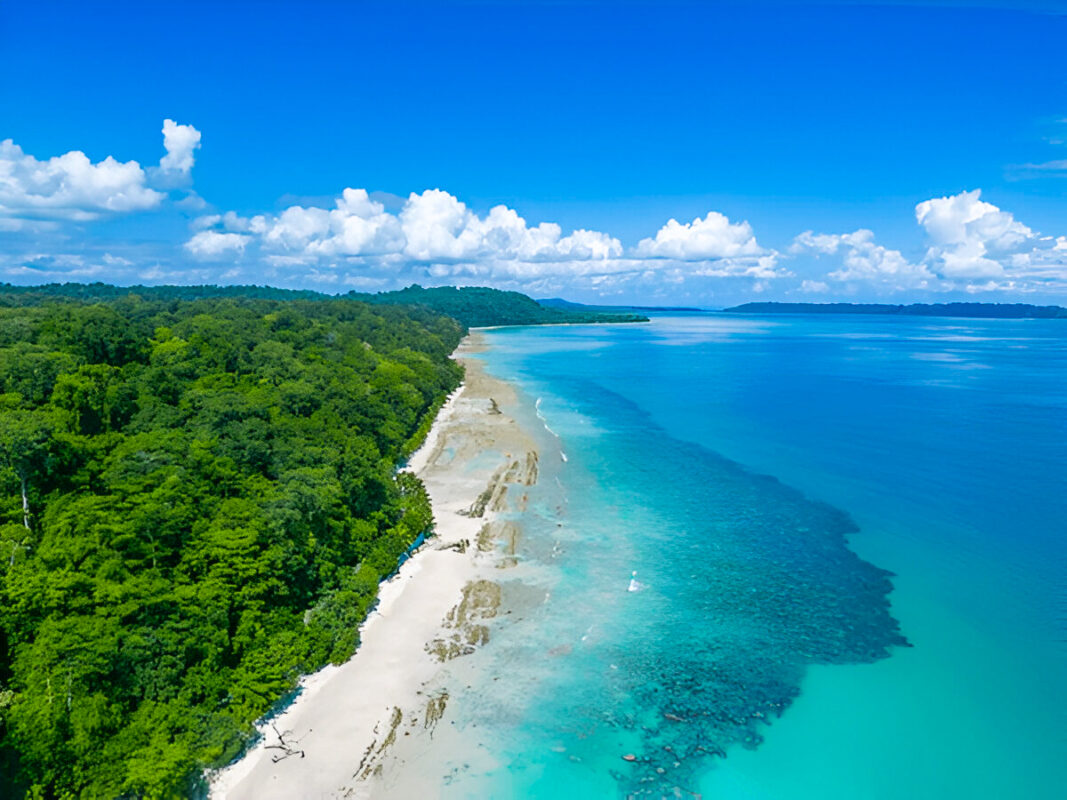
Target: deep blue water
{"x":850,"y":533}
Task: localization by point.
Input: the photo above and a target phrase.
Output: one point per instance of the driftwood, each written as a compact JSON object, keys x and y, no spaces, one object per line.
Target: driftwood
{"x":287,"y":747}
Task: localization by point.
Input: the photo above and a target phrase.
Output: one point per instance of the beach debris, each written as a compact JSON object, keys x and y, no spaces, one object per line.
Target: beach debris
{"x":287,"y":747}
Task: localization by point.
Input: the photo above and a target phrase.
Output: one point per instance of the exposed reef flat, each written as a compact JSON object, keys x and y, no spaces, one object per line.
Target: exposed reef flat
{"x":476,"y":463}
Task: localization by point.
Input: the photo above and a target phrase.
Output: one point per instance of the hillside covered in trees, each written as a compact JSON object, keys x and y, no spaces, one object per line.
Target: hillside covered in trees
{"x":198,"y":499}
{"x":479,"y":306}
{"x":473,"y":306}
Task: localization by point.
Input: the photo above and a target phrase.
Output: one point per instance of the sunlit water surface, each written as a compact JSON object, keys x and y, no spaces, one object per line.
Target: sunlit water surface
{"x":849,"y":539}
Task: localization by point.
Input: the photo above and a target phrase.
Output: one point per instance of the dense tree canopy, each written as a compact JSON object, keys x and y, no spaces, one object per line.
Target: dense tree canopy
{"x":198,"y":499}
{"x":474,"y":306}
{"x":479,"y":306}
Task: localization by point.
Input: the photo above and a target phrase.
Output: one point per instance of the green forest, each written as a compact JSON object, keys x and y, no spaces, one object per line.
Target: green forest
{"x":474,"y":306}
{"x":479,"y":306}
{"x":198,"y":499}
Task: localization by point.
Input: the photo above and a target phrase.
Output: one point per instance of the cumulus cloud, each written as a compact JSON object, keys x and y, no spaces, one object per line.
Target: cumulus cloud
{"x":69,"y":186}
{"x":212,"y":244}
{"x":435,"y":235}
{"x":358,"y":240}
{"x":72,"y":187}
{"x":712,"y":237}
{"x":357,"y":226}
{"x":971,"y":245}
{"x":180,"y":141}
{"x":864,"y":260}
{"x":968,"y":233}
{"x":439,"y":227}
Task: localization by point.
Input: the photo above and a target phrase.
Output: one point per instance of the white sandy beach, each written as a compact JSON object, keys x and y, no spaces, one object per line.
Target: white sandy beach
{"x":474,"y":463}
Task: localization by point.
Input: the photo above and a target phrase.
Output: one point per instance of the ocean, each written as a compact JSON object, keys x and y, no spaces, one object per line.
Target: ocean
{"x":788,"y":557}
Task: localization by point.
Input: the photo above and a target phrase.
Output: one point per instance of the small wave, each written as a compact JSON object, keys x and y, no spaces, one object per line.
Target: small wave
{"x":563,"y":455}
{"x":540,"y":416}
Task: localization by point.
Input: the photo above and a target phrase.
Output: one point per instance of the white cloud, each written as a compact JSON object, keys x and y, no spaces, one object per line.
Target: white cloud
{"x":44,"y":267}
{"x":296,"y":228}
{"x":230,"y":221}
{"x":357,"y":226}
{"x":435,"y":235}
{"x":972,"y":245}
{"x":206,"y":221}
{"x":20,"y":225}
{"x":865,"y":261}
{"x":438,"y":227}
{"x":963,"y":217}
{"x":179,"y":141}
{"x":765,"y":266}
{"x":91,"y":263}
{"x":712,"y":237}
{"x":116,"y":261}
{"x":70,"y":186}
{"x":1056,"y":165}
{"x":191,"y":202}
{"x":967,"y":233}
{"x":212,"y":244}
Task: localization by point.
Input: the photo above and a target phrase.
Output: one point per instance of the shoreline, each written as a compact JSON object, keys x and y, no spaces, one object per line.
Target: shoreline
{"x":346,"y":719}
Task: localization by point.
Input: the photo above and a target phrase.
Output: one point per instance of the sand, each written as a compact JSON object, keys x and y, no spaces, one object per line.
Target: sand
{"x":337,"y":734}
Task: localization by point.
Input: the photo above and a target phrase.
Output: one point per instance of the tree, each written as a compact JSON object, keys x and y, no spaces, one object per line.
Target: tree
{"x":25,"y":446}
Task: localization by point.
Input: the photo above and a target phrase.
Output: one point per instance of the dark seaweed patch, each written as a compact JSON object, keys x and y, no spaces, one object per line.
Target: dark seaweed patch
{"x":755,"y":582}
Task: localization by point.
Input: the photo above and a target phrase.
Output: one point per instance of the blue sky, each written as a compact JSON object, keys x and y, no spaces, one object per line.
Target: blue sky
{"x":900,"y":152}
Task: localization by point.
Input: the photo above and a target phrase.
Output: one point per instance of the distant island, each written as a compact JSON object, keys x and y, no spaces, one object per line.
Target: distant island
{"x":974,"y":310}
{"x":472,"y":306}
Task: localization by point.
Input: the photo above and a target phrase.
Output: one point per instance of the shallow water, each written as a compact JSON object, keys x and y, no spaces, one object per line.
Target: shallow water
{"x":763,"y":477}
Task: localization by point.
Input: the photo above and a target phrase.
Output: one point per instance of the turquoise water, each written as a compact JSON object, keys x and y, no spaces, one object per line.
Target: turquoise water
{"x":849,"y":534}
